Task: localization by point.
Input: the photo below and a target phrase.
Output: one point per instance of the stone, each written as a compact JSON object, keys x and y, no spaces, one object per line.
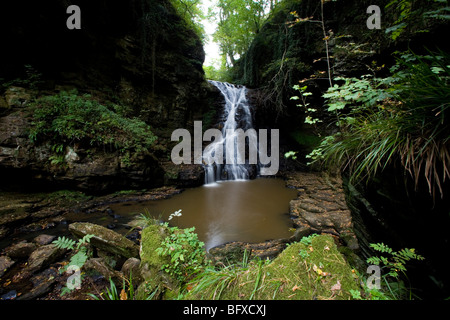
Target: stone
{"x":39,"y":259}
{"x":3,"y":232}
{"x":44,"y":239}
{"x":17,"y":97}
{"x":5,"y":263}
{"x":71,"y":155}
{"x":42,"y":283}
{"x":320,"y":206}
{"x":131,"y":268}
{"x":14,"y":212}
{"x":99,"y":266}
{"x":3,"y":105}
{"x":105,"y":239}
{"x":300,"y":232}
{"x":21,"y":250}
{"x":9,"y":295}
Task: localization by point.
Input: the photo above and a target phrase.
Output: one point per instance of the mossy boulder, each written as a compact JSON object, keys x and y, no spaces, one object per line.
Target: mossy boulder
{"x":105,"y":239}
{"x":154,"y":280}
{"x":307,"y":270}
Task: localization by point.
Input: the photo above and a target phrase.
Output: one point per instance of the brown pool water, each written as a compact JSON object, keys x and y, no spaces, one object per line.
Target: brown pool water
{"x":250,"y":211}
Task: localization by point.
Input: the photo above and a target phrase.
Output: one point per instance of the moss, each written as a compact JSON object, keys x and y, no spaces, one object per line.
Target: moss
{"x":301,"y":271}
{"x":151,"y":238}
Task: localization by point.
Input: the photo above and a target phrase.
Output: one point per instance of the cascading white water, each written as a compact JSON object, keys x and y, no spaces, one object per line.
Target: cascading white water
{"x":236,"y":115}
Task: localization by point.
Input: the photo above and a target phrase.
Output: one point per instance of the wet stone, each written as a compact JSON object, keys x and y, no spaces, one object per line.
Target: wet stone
{"x":44,"y":239}
{"x":21,"y":250}
{"x":39,"y":259}
{"x":5,"y":263}
{"x":42,"y":283}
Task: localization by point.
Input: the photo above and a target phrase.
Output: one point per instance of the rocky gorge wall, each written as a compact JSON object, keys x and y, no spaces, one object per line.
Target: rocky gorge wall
{"x":140,"y":54}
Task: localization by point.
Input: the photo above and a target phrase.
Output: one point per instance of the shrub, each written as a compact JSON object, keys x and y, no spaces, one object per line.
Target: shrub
{"x":186,"y":253}
{"x":403,"y":118}
{"x":68,"y":118}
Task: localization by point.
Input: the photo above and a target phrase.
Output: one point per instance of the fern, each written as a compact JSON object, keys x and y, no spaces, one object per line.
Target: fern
{"x":381,"y":247}
{"x":397,"y":260}
{"x":79,"y":258}
{"x":86,"y":239}
{"x":64,"y":243}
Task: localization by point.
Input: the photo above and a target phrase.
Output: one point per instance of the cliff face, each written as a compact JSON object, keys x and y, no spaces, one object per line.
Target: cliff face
{"x":139,"y":54}
{"x":141,"y":51}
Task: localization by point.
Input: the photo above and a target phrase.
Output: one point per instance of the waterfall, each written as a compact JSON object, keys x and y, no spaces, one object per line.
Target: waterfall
{"x":236,"y":115}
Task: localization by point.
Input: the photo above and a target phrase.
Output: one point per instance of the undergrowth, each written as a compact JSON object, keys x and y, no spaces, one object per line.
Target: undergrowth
{"x":402,"y":118}
{"x":69,"y":119}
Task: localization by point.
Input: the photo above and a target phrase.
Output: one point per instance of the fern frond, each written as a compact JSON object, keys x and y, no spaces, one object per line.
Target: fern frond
{"x":84,"y":240}
{"x":381,"y":247}
{"x":64,"y":243}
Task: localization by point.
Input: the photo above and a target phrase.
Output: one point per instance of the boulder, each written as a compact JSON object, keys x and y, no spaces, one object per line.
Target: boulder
{"x":42,"y":284}
{"x":151,"y":262}
{"x":99,"y":266}
{"x":105,"y":239}
{"x":44,"y":239}
{"x":14,"y":212}
{"x":131,"y":268}
{"x":21,"y":250}
{"x":17,"y":97}
{"x":40,"y":258}
{"x":5,"y":264}
{"x":4,"y":107}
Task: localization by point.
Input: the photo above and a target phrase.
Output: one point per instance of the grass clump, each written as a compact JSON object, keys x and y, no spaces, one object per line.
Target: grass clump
{"x":322,"y":273}
{"x":400,"y":119}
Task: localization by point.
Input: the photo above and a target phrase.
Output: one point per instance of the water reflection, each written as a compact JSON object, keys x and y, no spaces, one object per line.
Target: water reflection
{"x":250,"y":211}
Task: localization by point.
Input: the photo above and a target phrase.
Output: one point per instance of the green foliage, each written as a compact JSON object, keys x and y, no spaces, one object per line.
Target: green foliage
{"x":305,"y":105}
{"x":402,"y":118}
{"x":307,"y":241}
{"x":112,"y":293}
{"x":213,"y":281}
{"x":391,"y":283}
{"x":64,"y":243}
{"x":185,"y":251}
{"x":310,"y":270}
{"x":81,"y":253}
{"x":413,"y":16}
{"x":396,"y":261}
{"x":68,"y":118}
{"x":31,"y":79}
{"x":192,"y":13}
{"x":238,"y":22}
{"x":217,"y":74}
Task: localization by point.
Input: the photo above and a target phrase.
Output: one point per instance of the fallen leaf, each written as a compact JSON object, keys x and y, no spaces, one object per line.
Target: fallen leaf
{"x":295,"y":288}
{"x":317,"y":270}
{"x":337,"y":286}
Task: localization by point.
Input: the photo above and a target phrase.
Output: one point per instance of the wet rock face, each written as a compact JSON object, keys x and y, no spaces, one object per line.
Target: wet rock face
{"x":151,"y":66}
{"x":321,"y":206}
{"x":389,"y":209}
{"x":23,"y":163}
